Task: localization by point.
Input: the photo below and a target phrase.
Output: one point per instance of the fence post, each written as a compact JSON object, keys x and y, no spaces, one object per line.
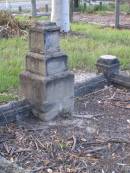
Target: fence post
{"x":117,"y":13}
{"x":34,"y":9}
{"x":71,"y":10}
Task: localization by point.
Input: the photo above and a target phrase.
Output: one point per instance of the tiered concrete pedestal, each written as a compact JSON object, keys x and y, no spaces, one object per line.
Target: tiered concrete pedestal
{"x":47,"y":83}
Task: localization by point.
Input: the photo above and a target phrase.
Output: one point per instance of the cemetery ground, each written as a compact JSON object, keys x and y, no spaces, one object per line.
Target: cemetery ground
{"x":97,"y":137}
{"x":104,"y":19}
{"x":84,"y":44}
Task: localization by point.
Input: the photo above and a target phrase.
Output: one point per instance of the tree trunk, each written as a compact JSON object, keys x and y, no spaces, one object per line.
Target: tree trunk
{"x":76,"y":4}
{"x":71,"y":10}
{"x":60,"y":14}
{"x":117,"y":13}
{"x":56,"y":12}
{"x":34,"y":10}
{"x":65,"y":16}
{"x":129,"y":4}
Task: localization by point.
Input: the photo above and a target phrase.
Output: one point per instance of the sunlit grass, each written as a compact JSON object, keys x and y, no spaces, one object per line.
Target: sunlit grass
{"x":12,"y":57}
{"x":25,"y":18}
{"x":84,"y":50}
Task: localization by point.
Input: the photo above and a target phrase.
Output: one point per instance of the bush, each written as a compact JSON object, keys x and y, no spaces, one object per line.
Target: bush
{"x":95,"y":8}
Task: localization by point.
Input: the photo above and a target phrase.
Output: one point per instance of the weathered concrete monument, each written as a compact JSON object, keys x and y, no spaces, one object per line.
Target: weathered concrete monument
{"x":108,"y":65}
{"x":47,"y":83}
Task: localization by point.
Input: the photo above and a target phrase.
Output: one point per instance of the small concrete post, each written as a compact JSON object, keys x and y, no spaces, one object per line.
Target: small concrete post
{"x":47,"y":83}
{"x":46,"y":8}
{"x":20,"y":9}
{"x":117,"y":13}
{"x":100,"y":5}
{"x":108,"y":65}
{"x":34,"y":8}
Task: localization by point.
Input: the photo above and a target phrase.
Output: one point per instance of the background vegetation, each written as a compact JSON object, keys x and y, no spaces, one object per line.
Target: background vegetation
{"x":104,"y":8}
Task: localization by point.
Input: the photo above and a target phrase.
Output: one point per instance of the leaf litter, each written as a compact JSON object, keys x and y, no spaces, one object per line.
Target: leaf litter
{"x":95,"y":139}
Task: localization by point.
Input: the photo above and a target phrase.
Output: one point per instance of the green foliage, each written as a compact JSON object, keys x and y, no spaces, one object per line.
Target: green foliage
{"x":96,"y":8}
{"x":124,"y":7}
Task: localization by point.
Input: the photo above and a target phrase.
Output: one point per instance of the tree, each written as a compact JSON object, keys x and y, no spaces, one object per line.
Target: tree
{"x":76,"y":4}
{"x":117,"y":13}
{"x":71,"y":10}
{"x":60,"y":14}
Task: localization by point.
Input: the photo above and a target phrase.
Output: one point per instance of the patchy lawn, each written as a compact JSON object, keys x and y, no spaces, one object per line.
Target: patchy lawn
{"x":12,"y":55}
{"x":90,"y":41}
{"x":83,"y":46}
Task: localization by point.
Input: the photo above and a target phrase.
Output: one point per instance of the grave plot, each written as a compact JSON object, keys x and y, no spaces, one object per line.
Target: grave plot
{"x":114,"y":14}
{"x":85,"y":126}
{"x":95,"y":139}
{"x":106,"y":20}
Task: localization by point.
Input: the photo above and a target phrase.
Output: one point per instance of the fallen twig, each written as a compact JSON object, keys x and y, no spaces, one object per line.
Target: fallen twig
{"x":23,"y":150}
{"x":111,"y":140}
{"x":74,"y":143}
{"x":38,"y":169}
{"x":92,"y":93}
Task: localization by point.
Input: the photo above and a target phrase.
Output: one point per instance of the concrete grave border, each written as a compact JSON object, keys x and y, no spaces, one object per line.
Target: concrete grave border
{"x":107,"y":65}
{"x":19,"y":110}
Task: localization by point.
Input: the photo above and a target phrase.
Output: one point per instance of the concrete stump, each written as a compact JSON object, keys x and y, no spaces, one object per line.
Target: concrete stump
{"x":108,"y":65}
{"x":47,"y":83}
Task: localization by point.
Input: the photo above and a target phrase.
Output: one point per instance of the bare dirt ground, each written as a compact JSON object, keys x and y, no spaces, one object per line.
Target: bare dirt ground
{"x":107,"y":19}
{"x":95,"y":139}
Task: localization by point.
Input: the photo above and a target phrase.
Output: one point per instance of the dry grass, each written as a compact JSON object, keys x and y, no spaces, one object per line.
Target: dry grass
{"x":12,"y":25}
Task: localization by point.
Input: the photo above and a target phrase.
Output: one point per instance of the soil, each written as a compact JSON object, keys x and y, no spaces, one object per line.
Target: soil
{"x":107,"y":19}
{"x":95,"y":139}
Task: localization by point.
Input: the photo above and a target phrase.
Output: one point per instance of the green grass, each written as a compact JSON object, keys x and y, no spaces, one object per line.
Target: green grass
{"x":12,"y":57}
{"x":125,"y":7}
{"x":25,"y":18}
{"x":96,"y":8}
{"x":6,"y":97}
{"x":83,"y":50}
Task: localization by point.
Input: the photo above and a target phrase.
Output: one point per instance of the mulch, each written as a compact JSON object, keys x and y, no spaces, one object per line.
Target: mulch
{"x":107,"y":19}
{"x":95,"y":139}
